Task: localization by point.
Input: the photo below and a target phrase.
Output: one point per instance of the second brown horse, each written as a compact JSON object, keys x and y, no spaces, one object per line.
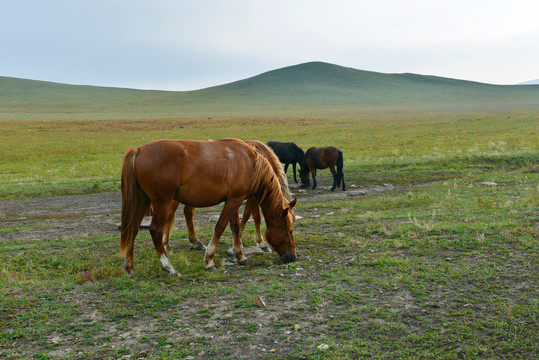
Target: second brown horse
{"x":322,"y":158}
{"x":201,"y":174}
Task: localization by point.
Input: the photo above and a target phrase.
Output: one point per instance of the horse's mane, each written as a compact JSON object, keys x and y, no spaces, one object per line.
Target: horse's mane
{"x":275,"y":164}
{"x":265,"y":183}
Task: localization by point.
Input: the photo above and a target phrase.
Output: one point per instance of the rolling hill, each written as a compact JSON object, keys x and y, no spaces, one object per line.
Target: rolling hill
{"x":309,"y":88}
{"x":531,"y":82}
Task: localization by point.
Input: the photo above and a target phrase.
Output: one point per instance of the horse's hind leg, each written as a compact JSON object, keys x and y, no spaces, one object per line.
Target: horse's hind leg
{"x":332,"y":169}
{"x":189,"y":213}
{"x":139,"y":215}
{"x":161,"y":212}
{"x":169,"y":226}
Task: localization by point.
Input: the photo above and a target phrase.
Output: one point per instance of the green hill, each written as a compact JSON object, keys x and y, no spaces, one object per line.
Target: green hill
{"x":310,"y":88}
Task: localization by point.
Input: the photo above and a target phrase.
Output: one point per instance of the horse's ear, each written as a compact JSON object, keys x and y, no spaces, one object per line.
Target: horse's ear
{"x":285,"y":212}
{"x":293,"y":203}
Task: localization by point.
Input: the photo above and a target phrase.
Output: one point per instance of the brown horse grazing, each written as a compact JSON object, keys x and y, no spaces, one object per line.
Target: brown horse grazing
{"x":201,"y":174}
{"x":322,"y":158}
{"x":252,"y":206}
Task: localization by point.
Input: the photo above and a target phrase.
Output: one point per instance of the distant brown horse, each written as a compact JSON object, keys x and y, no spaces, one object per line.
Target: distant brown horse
{"x":201,"y":174}
{"x":322,"y":158}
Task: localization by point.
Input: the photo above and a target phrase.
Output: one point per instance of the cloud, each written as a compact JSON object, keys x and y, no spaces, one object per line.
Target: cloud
{"x":141,"y":43}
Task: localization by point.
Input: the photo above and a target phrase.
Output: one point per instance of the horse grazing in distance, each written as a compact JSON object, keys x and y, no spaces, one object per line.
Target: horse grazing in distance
{"x":322,"y":158}
{"x":288,"y":153}
{"x":201,"y":174}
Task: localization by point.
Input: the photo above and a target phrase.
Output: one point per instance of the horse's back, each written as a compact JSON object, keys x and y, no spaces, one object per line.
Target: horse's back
{"x":287,"y":152}
{"x":322,"y":157}
{"x":197,"y":173}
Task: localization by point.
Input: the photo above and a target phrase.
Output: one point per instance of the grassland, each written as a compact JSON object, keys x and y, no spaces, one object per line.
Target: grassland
{"x":433,"y":262}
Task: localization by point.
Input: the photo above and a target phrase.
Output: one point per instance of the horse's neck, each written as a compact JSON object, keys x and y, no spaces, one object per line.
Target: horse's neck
{"x":270,"y":202}
{"x":269,"y":208}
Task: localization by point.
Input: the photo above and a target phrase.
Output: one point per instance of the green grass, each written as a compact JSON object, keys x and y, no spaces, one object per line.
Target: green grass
{"x":426,"y":270}
{"x":54,"y":157}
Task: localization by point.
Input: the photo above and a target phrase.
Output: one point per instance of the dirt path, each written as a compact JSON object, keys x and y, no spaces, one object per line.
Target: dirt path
{"x":99,"y":214}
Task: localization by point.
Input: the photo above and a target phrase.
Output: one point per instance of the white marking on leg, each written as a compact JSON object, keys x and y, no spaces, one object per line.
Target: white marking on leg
{"x":210,"y":251}
{"x":166,"y":265}
{"x":259,"y":240}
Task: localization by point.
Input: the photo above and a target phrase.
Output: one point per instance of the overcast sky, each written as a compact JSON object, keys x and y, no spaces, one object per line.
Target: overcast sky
{"x":187,"y":45}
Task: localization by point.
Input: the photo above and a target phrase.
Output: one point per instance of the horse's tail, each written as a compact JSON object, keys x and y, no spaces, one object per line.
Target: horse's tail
{"x":132,"y":195}
{"x":340,"y":162}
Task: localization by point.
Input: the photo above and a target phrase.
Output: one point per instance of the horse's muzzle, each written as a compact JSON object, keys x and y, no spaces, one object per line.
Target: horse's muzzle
{"x":288,"y":257}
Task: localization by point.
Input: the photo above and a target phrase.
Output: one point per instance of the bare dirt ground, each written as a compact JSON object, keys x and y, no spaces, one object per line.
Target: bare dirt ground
{"x":99,"y":214}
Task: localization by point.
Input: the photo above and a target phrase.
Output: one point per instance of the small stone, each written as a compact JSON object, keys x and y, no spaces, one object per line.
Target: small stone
{"x":259,"y":302}
{"x":323,"y":347}
{"x":489,"y":183}
{"x":357,"y":192}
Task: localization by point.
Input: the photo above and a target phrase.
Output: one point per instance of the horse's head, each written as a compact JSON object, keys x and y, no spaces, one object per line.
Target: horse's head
{"x":281,"y":234}
{"x":304,"y":176}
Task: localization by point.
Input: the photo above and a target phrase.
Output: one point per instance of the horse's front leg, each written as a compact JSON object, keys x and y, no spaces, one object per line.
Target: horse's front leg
{"x":229,"y":210}
{"x":313,"y":173}
{"x":286,"y":167}
{"x":189,"y":213}
{"x":253,"y":208}
{"x":170,"y":224}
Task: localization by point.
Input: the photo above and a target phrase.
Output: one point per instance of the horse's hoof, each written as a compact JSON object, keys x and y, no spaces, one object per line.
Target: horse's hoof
{"x":243,"y":262}
{"x":265,"y":249}
{"x":176,"y":275}
{"x":200,"y":246}
{"x":212,"y":269}
{"x":128,"y":269}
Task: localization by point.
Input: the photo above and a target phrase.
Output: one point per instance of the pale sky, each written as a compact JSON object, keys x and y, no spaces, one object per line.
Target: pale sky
{"x":187,"y":45}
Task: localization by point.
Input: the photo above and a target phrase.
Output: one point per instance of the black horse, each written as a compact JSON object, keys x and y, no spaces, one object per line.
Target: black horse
{"x":322,"y":158}
{"x":288,"y":153}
